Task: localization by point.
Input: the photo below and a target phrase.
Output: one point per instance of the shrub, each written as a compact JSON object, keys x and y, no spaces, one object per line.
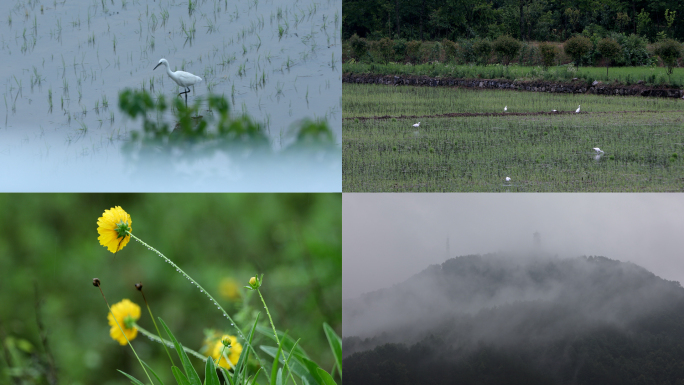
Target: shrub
{"x":450,"y":50}
{"x":506,"y":48}
{"x":548,"y":53}
{"x":482,"y":49}
{"x":385,"y":49}
{"x":577,"y":47}
{"x":466,"y":53}
{"x":399,"y":50}
{"x":359,"y":46}
{"x":669,"y":51}
{"x":413,"y":51}
{"x":610,"y":50}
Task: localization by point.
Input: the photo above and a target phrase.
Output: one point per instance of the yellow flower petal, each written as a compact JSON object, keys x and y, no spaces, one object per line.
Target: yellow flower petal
{"x":121,"y":311}
{"x":107,"y":226}
{"x":233,"y":353}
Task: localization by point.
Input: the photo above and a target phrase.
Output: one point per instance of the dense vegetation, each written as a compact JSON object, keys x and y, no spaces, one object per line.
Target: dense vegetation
{"x":499,"y":319}
{"x":528,"y":20}
{"x":50,"y":253}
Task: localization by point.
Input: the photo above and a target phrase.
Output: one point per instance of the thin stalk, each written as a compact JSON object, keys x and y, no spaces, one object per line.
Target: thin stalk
{"x":124,"y":334}
{"x":155,"y":325}
{"x":178,"y":269}
{"x":276,"y":335}
{"x":168,"y":343}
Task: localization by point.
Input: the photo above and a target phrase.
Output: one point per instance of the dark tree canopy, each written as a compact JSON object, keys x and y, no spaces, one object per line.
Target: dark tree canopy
{"x":525,"y":20}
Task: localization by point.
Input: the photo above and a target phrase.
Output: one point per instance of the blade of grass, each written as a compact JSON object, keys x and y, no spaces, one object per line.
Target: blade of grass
{"x":210,"y":376}
{"x":133,"y":379}
{"x":335,"y":345}
{"x":192,"y":375}
{"x":180,"y":377}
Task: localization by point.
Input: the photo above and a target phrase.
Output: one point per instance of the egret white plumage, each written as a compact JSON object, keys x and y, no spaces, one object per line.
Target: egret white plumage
{"x":182,"y":78}
{"x":505,"y":108}
{"x":577,"y":110}
{"x":598,"y":150}
{"x":554,"y":110}
{"x":508,"y":179}
{"x":417,"y":124}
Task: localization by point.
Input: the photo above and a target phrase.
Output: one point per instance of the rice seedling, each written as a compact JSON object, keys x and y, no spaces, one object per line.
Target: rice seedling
{"x":466,"y":143}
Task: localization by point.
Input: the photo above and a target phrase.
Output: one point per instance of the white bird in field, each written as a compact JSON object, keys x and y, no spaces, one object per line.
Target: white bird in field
{"x":598,"y":150}
{"x":508,"y":179}
{"x":416,"y":125}
{"x":182,"y":78}
{"x":554,"y":110}
{"x":505,"y":108}
{"x":577,"y":110}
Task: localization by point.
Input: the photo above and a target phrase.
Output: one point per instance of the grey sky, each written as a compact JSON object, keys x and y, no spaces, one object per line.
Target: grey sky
{"x":389,"y":237}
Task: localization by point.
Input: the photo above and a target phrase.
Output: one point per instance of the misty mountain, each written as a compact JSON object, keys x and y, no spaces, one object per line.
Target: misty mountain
{"x":537,"y":319}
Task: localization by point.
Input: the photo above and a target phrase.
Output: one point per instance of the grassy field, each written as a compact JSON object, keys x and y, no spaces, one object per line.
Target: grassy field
{"x":642,"y":138}
{"x":654,"y":76}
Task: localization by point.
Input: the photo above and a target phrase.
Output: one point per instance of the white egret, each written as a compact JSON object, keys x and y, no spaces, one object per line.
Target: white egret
{"x":598,"y":150}
{"x":417,"y":124}
{"x":554,"y":110}
{"x":182,"y":78}
{"x":508,"y":179}
{"x":505,"y":108}
{"x":577,"y":110}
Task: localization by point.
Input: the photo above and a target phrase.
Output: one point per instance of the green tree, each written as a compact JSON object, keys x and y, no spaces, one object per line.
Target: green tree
{"x":506,"y":48}
{"x":643,"y":22}
{"x":610,"y":49}
{"x":669,"y":51}
{"x":577,"y":47}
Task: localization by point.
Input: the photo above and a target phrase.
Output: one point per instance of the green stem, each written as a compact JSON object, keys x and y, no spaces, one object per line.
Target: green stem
{"x":129,"y":344}
{"x":158,"y":333}
{"x":168,"y":343}
{"x":275,"y":333}
{"x":232,"y":323}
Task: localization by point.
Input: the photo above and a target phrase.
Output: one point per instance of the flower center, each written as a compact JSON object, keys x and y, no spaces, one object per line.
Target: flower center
{"x":121,"y":229}
{"x":128,"y":322}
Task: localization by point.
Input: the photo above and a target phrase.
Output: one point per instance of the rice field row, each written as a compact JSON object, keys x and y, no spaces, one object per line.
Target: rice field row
{"x":642,"y":150}
{"x":366,"y":100}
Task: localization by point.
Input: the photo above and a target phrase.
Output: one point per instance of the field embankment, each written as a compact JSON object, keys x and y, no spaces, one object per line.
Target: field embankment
{"x":573,"y":87}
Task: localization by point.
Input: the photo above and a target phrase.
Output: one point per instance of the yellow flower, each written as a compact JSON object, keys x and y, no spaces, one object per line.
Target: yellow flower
{"x":215,"y":345}
{"x":112,"y":227}
{"x":126,"y":312}
{"x":229,"y":289}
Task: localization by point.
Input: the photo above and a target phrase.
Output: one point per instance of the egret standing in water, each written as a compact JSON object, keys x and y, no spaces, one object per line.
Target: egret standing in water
{"x":182,"y":78}
{"x":598,"y":150}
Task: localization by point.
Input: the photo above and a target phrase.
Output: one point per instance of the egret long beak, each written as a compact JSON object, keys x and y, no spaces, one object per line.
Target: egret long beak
{"x":155,"y":67}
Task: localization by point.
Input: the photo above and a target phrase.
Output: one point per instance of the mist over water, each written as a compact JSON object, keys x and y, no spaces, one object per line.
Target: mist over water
{"x":66,"y":61}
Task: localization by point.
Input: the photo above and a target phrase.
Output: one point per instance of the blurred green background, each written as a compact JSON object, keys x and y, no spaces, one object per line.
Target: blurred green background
{"x":49,"y":242}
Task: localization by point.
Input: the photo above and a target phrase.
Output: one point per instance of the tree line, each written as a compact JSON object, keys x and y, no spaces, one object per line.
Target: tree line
{"x":526,"y":20}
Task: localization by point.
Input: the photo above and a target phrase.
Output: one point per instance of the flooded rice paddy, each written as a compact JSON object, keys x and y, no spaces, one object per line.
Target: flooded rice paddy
{"x":65,"y":62}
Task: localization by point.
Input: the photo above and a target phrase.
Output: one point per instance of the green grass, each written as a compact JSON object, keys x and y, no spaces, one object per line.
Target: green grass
{"x":654,"y":76}
{"x":540,"y":152}
{"x":376,"y":100}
